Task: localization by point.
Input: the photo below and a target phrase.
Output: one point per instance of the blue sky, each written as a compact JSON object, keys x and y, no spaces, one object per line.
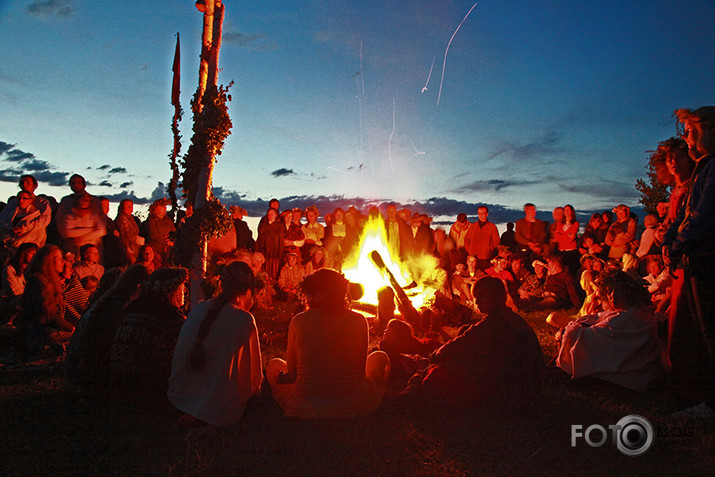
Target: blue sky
{"x":549,"y":102}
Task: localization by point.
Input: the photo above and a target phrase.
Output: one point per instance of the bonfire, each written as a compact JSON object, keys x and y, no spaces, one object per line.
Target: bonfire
{"x":417,"y":276}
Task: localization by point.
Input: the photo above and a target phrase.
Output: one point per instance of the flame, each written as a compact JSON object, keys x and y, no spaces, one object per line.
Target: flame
{"x":359,"y":268}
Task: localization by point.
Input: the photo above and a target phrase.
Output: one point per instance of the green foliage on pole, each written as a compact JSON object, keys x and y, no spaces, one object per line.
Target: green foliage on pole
{"x":212,"y":125}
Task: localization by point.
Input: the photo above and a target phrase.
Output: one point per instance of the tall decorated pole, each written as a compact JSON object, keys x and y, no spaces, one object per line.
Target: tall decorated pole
{"x":212,"y":125}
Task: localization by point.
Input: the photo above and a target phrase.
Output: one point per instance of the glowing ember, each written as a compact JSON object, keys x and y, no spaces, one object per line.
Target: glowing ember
{"x":361,"y":269}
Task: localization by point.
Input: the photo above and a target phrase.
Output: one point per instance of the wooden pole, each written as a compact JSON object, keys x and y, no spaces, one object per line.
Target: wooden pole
{"x":208,"y":75}
{"x":206,"y":41}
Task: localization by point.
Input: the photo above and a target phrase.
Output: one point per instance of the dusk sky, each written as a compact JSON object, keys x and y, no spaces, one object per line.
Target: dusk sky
{"x":550,"y":102}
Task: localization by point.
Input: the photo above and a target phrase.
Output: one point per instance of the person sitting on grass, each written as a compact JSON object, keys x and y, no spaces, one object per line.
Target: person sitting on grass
{"x":89,"y":265}
{"x":42,"y":323}
{"x":404,"y":349}
{"x":217,"y":364}
{"x":497,"y":361}
{"x":327,"y":372}
{"x":559,"y":289}
{"x":88,"y":350}
{"x":290,"y":277}
{"x":619,"y":345}
{"x":143,"y":346}
{"x":12,"y":284}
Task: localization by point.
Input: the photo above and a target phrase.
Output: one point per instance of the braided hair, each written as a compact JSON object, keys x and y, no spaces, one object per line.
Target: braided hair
{"x":236,"y":279}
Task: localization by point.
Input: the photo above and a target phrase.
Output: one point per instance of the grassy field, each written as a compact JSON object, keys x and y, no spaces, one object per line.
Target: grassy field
{"x":49,"y":428}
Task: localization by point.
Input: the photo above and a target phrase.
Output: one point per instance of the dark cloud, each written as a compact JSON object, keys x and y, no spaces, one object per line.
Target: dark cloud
{"x":48,"y":8}
{"x":16,"y":155}
{"x":491,"y":185}
{"x":9,"y":175}
{"x":27,"y":163}
{"x":548,"y":144}
{"x":5,"y":147}
{"x":36,"y":165}
{"x":103,"y":167}
{"x":253,"y":41}
{"x":434,"y":207}
{"x":124,"y":185}
{"x":158,"y":193}
{"x":282,"y":172}
{"x":128,"y":195}
{"x":607,"y":191}
{"x":105,"y":183}
{"x":118,"y":170}
{"x":53,"y":178}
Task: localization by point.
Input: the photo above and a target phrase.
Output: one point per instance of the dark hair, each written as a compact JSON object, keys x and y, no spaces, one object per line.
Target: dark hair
{"x":26,"y":176}
{"x":627,"y":291}
{"x":325,"y":288}
{"x":22,"y":250}
{"x":491,"y":292}
{"x":119,"y":284}
{"x":84,"y":182}
{"x":236,"y":279}
{"x":83,"y":249}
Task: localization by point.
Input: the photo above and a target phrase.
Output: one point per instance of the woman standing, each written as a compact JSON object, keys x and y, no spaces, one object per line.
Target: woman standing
{"x":270,"y":242}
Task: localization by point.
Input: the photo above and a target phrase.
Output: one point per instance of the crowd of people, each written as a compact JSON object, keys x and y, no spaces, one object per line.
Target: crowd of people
{"x":629,"y":303}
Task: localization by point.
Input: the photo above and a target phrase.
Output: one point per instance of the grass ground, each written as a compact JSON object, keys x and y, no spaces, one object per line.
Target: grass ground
{"x":49,"y":428}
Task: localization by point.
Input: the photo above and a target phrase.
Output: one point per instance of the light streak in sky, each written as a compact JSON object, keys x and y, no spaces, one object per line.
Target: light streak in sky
{"x":428,"y":76}
{"x":349,"y":170}
{"x":444,"y":63}
{"x":389,"y":143}
{"x":417,"y":151}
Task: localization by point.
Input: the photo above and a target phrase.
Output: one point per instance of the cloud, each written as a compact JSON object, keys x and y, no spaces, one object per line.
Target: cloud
{"x":118,"y":170}
{"x":252,"y":41}
{"x":103,"y":167}
{"x":53,"y":178}
{"x":16,"y":155}
{"x":36,"y":165}
{"x":607,"y":191}
{"x":25,"y":162}
{"x":124,"y":185}
{"x":491,"y":185}
{"x":282,"y":172}
{"x":158,"y":193}
{"x":48,"y":8}
{"x":128,"y":195}
{"x":5,"y":147}
{"x":548,"y":144}
{"x":105,"y":183}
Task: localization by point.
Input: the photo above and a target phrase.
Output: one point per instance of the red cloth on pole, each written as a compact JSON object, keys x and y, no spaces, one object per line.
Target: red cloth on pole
{"x":176,"y":84}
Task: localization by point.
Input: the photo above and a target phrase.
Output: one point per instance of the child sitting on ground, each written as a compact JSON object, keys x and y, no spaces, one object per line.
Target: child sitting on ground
{"x":407,"y":353}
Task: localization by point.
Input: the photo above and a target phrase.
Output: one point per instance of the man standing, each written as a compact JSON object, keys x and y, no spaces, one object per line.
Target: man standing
{"x":691,"y":240}
{"x":531,"y":233}
{"x":482,"y":239}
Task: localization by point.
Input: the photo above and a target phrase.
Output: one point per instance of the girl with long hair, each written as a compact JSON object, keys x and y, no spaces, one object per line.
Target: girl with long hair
{"x":217,"y":364}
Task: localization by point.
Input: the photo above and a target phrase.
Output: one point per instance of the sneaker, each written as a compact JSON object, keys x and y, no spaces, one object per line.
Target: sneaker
{"x":701,"y":411}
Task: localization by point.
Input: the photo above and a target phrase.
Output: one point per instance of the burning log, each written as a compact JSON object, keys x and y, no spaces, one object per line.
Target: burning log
{"x":407,"y":310}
